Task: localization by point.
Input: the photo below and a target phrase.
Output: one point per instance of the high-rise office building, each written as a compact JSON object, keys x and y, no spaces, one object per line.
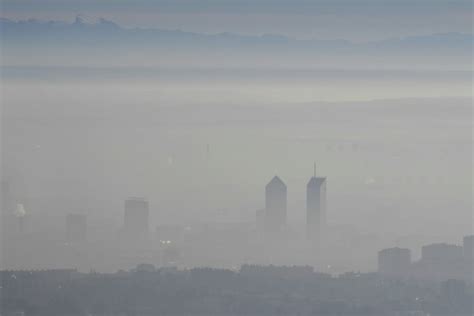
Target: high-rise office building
{"x":76,"y":227}
{"x":394,"y":262}
{"x":441,"y":254}
{"x":275,"y":205}
{"x":136,"y":216}
{"x":315,"y":207}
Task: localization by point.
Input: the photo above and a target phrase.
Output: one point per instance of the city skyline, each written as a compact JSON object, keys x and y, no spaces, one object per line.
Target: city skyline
{"x":236,"y":157}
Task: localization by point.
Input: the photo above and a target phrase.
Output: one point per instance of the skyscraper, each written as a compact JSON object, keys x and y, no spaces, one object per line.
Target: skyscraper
{"x":441,"y":254}
{"x":136,"y":215}
{"x":275,"y":205}
{"x":315,"y":207}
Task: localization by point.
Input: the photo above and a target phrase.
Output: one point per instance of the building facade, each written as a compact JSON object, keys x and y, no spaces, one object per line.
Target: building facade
{"x":315,"y":208}
{"x":394,"y":262}
{"x":275,"y":206}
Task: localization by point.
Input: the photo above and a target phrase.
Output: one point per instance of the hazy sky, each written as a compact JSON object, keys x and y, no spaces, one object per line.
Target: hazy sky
{"x":199,"y":124}
{"x":348,"y":19}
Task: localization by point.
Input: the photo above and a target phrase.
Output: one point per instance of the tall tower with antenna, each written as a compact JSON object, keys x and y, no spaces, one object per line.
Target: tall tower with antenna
{"x":315,"y":207}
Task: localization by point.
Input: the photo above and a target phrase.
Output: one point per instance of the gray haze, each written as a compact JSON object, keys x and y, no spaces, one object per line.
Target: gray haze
{"x":265,"y":157}
{"x":197,"y":124}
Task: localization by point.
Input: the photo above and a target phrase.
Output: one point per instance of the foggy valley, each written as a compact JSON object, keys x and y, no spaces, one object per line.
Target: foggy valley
{"x":149,"y":170}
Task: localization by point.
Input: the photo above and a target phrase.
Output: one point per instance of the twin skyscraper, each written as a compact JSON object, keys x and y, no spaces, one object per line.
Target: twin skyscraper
{"x":275,"y":212}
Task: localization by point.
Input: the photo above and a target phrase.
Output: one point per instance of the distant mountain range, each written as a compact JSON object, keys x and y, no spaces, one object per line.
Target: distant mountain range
{"x":105,"y":37}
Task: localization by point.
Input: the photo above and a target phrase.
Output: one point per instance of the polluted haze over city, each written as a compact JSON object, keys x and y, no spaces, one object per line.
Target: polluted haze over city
{"x":237,"y":135}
